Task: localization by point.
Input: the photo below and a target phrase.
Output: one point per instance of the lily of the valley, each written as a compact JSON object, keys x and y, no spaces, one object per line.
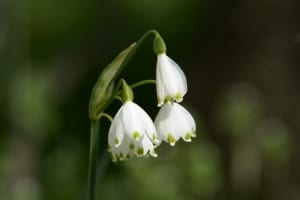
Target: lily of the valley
{"x":171,"y":84}
{"x":174,"y":122}
{"x":132,"y":133}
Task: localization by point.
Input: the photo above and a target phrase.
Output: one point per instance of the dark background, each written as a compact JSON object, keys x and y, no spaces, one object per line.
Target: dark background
{"x":241,"y":59}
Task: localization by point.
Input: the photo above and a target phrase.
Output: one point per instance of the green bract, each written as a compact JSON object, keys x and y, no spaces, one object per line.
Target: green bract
{"x":103,"y":90}
{"x":127,"y":92}
{"x":159,"y":45}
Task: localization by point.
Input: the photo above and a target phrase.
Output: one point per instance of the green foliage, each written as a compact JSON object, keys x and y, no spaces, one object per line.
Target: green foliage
{"x":103,"y":91}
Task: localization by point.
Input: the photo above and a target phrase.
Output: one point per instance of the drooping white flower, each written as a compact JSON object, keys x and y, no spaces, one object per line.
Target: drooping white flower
{"x":132,"y":133}
{"x":174,"y":122}
{"x":171,"y":84}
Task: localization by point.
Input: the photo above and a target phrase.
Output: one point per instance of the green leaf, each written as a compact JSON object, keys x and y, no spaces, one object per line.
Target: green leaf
{"x":103,"y":90}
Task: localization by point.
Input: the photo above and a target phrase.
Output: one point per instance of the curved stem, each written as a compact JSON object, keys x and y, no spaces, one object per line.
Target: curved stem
{"x":94,"y":141}
{"x":144,"y":82}
{"x":119,"y":98}
{"x":138,"y":43}
{"x":107,"y":116}
{"x":125,"y":62}
{"x":135,"y":85}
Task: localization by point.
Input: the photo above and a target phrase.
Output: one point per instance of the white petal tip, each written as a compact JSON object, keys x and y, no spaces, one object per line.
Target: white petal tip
{"x":117,"y":142}
{"x":160,"y":101}
{"x":187,"y":137}
{"x":171,"y":140}
{"x":154,"y":155}
{"x":194,"y":134}
{"x":178,"y":97}
{"x":154,"y":138}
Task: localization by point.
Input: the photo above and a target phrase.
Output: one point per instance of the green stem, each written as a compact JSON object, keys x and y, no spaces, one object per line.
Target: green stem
{"x":127,"y":59}
{"x":144,"y":82}
{"x":138,"y":43}
{"x":94,"y":141}
{"x":120,"y":99}
{"x":107,"y":116}
{"x":135,"y":85}
{"x":95,"y":123}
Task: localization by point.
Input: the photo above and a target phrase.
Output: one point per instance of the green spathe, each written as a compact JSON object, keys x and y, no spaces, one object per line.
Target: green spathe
{"x":127,"y":92}
{"x":104,"y":88}
{"x":159,"y":45}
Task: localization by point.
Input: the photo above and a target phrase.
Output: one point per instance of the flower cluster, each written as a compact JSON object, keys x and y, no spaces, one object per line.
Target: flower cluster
{"x":133,"y":133}
{"x":172,"y":121}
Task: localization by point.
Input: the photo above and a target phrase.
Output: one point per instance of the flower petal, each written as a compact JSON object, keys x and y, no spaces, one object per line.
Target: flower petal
{"x":132,"y":133}
{"x":174,"y":121}
{"x":115,"y":133}
{"x":148,"y":125}
{"x":131,"y":121}
{"x":181,"y":79}
{"x":171,"y":82}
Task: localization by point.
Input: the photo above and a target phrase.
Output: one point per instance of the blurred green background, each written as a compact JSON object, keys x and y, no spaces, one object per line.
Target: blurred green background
{"x":241,"y":59}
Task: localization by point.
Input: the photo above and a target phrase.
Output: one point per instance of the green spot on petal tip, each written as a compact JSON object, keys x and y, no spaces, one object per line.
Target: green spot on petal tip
{"x":187,"y":137}
{"x":168,"y":99}
{"x":136,"y":135}
{"x":178,"y":96}
{"x":160,"y":101}
{"x":154,"y":136}
{"x":131,"y":146}
{"x":140,"y":151}
{"x":171,"y":139}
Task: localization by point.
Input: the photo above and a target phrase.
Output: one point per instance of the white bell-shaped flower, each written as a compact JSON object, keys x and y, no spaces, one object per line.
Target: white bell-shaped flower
{"x":174,"y":122}
{"x":132,"y":133}
{"x":171,"y":84}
